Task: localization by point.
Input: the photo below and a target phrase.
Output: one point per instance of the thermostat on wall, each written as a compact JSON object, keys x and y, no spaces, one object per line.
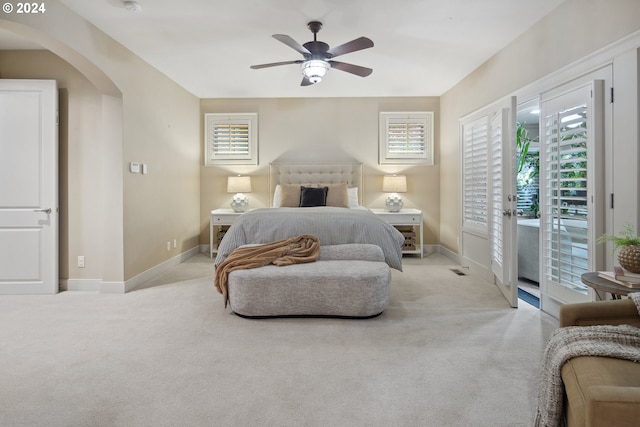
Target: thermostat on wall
{"x":134,"y":167}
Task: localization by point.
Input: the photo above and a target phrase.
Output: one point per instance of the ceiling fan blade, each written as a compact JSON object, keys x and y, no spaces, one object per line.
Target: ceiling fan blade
{"x":292,"y":43}
{"x":275,"y":64}
{"x":350,"y":68}
{"x":306,"y":82}
{"x":352,"y":46}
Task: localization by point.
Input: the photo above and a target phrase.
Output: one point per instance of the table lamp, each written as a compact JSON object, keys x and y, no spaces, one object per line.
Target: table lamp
{"x":394,"y":184}
{"x":239,"y":185}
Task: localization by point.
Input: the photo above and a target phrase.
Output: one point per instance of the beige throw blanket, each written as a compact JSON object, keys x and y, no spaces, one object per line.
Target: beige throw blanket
{"x":296,"y":250}
{"x":621,"y":342}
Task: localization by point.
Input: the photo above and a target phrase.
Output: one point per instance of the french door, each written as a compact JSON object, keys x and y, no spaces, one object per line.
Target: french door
{"x":28,"y":187}
{"x":571,"y":165}
{"x":489,"y":189}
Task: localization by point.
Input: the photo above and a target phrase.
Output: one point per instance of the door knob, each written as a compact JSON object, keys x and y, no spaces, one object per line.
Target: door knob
{"x":47,"y":211}
{"x":506,"y":212}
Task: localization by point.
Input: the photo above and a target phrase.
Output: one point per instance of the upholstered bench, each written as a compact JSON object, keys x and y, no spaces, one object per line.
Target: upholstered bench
{"x":601,"y":391}
{"x":350,"y":280}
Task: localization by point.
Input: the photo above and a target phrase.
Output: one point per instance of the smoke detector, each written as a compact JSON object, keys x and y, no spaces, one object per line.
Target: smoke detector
{"x":132,"y":6}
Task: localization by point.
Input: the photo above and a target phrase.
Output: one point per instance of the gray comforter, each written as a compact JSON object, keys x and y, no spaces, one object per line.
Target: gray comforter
{"x":332,"y":226}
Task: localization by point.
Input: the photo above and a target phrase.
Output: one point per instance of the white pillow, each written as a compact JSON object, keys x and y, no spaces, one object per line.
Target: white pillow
{"x":277,"y":195}
{"x":352,"y":194}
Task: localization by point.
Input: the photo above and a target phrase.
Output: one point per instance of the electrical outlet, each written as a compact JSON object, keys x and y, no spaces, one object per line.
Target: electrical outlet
{"x":81,"y":261}
{"x":168,"y":246}
{"x":175,"y":243}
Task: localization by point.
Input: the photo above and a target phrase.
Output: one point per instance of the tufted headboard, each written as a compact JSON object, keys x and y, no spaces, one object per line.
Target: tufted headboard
{"x":315,"y":173}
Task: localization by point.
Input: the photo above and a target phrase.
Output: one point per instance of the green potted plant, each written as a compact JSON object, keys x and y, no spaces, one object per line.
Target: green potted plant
{"x":629,"y":244}
{"x":522,"y":145}
{"x":527,"y":166}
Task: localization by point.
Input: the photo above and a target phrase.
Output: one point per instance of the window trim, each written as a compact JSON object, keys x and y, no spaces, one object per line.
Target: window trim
{"x":248,"y":158}
{"x":424,"y":118}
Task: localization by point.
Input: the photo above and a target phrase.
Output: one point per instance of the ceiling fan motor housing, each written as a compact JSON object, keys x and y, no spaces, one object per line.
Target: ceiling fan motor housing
{"x":319,"y":50}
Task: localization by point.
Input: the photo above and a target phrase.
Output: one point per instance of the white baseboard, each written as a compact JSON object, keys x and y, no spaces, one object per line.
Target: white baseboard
{"x":139,"y":279}
{"x":430,"y":249}
{"x":103,"y":287}
{"x":113,"y":288}
{"x":83,"y":285}
{"x":448,"y":253}
{"x":550,"y":305}
{"x":477,"y":269}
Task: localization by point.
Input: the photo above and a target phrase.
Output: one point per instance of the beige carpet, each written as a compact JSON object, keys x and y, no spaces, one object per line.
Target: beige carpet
{"x":449,"y":351}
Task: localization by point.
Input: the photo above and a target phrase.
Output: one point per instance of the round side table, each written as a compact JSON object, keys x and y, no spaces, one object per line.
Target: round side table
{"x":599,"y":284}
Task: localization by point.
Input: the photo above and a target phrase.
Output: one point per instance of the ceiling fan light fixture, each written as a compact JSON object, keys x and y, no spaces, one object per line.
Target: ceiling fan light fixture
{"x":315,"y":69}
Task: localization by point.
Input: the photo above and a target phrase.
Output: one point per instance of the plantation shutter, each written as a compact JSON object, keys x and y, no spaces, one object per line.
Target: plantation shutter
{"x":488,"y":232}
{"x":231,"y":138}
{"x":503,"y":223}
{"x":406,"y":138}
{"x":497,"y":194}
{"x":475,"y":173}
{"x":570,"y":163}
{"x":565,"y":195}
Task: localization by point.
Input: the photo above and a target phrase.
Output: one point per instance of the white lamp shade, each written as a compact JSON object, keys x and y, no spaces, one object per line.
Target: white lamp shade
{"x":239,"y":184}
{"x":315,"y":69}
{"x":394,"y":184}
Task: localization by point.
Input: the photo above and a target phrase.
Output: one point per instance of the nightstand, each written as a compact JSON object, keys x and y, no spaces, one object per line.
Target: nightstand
{"x":220,"y":218}
{"x":405,"y":218}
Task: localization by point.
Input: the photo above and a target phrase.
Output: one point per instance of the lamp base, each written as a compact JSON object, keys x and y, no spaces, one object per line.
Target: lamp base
{"x":394,"y":202}
{"x":239,"y":203}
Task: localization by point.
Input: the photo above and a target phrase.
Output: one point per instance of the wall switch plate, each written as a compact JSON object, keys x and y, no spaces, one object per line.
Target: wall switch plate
{"x":134,"y":167}
{"x":175,"y":243}
{"x":144,"y":169}
{"x":168,"y":246}
{"x":81,"y":261}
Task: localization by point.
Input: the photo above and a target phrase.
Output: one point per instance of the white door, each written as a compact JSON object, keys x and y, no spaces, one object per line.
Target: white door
{"x":571,"y":165}
{"x":28,"y":187}
{"x":503,"y":201}
{"x":488,"y":238}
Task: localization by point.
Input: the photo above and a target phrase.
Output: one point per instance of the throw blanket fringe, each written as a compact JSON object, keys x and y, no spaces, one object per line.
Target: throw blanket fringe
{"x":295,"y":250}
{"x":621,"y":342}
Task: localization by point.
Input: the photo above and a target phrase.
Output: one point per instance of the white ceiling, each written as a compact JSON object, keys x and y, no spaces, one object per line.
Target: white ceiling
{"x":422,"y":47}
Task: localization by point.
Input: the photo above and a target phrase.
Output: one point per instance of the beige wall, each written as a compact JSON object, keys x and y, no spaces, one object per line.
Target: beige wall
{"x":133,"y":113}
{"x":545,"y":48}
{"x":323,"y":130}
{"x":161,"y":129}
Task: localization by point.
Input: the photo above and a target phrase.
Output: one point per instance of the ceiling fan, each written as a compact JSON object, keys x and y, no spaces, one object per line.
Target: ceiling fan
{"x":318,"y":56}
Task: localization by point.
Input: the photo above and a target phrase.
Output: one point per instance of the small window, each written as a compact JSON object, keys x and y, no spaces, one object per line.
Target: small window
{"x":231,"y":139}
{"x":406,"y":138}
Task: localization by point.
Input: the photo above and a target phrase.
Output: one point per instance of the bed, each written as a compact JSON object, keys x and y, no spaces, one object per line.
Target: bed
{"x":342,"y":226}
